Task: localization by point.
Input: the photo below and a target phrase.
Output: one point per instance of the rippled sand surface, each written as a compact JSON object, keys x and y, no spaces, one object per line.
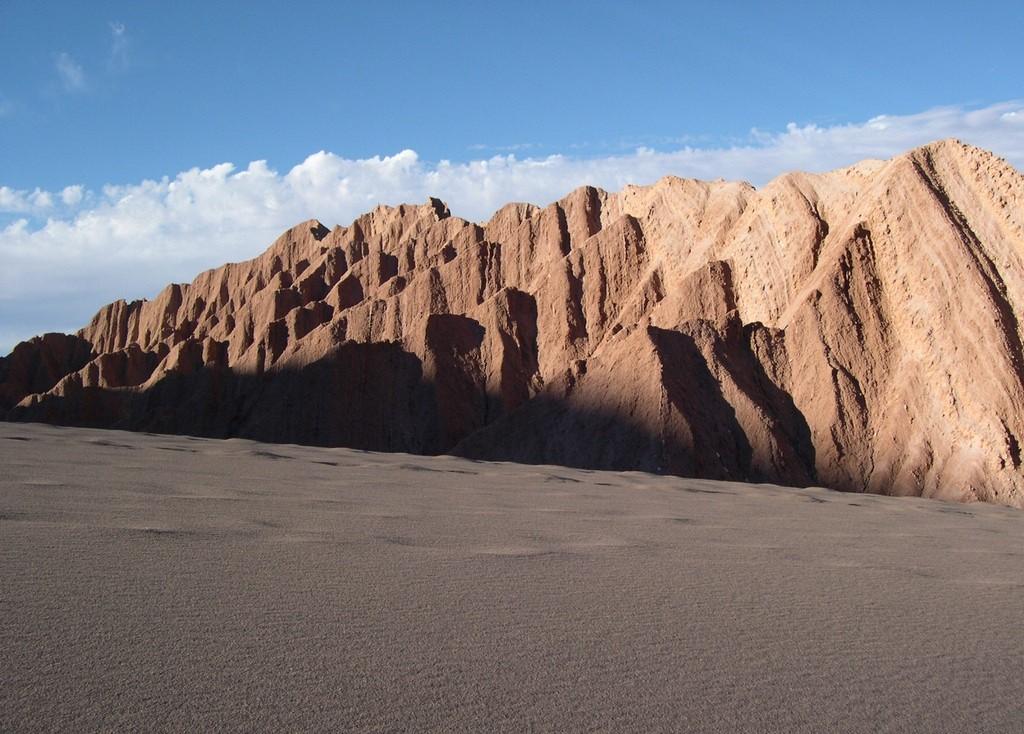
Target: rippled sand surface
{"x":177,"y":584}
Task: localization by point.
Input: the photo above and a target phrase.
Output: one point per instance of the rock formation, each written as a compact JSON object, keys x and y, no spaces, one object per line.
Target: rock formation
{"x":857,"y":329}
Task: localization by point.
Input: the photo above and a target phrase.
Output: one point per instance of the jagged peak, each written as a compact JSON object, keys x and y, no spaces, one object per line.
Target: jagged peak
{"x":943,"y":145}
{"x":515,"y":210}
{"x":440,"y":208}
{"x":942,"y":162}
{"x":585,"y":193}
{"x":673,"y":181}
{"x":952,"y":150}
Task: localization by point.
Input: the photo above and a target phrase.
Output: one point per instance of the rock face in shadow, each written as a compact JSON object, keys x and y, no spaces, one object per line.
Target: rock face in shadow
{"x":857,"y":329}
{"x":38,"y":364}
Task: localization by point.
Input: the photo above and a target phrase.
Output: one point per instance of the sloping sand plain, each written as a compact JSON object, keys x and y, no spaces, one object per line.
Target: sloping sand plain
{"x":167,"y":583}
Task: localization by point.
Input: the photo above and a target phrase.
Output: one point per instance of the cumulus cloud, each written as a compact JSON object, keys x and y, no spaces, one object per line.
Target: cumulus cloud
{"x":72,"y":195}
{"x":71,"y":74}
{"x":13,"y":201}
{"x":75,"y":249}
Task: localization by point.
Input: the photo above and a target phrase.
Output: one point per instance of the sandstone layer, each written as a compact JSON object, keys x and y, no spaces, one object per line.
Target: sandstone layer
{"x":858,"y":329}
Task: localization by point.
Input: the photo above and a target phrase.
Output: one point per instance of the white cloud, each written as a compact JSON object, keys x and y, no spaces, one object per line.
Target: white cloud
{"x":72,"y":195}
{"x":13,"y":201}
{"x":118,"y":46}
{"x":510,"y":148}
{"x":71,"y":74}
{"x":128,"y":240}
{"x":41,"y":200}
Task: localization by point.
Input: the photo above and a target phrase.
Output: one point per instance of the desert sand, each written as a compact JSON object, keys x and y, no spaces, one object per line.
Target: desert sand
{"x":168,"y":583}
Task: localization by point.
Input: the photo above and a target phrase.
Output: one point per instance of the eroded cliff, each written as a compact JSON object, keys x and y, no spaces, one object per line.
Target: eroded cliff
{"x":857,"y":329}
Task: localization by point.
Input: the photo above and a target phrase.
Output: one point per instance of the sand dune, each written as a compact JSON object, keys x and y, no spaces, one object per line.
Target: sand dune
{"x":178,"y":584}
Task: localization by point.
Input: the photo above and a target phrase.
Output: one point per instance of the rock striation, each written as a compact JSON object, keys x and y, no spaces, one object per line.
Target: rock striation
{"x":858,"y":329}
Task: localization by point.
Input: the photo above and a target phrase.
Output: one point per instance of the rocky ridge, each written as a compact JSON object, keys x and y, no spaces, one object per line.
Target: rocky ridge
{"x":857,"y":329}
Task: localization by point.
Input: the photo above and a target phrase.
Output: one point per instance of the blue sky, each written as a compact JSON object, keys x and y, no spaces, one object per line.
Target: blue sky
{"x":197,"y":83}
{"x":118,"y":120}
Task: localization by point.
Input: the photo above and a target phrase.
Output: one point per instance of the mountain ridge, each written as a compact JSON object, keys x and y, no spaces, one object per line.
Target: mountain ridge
{"x":857,"y":329}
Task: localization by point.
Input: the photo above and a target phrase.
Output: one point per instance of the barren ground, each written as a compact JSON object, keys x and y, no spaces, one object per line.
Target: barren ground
{"x":171,"y":583}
